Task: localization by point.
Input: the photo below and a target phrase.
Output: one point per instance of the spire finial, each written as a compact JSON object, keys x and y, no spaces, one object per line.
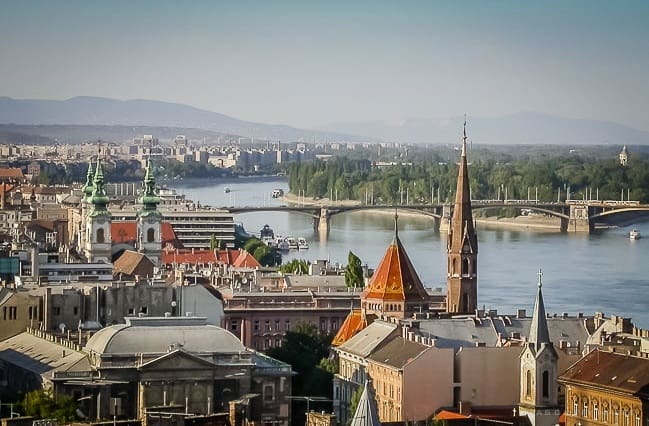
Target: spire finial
{"x":464,"y":139}
{"x":396,"y":224}
{"x":540,"y":274}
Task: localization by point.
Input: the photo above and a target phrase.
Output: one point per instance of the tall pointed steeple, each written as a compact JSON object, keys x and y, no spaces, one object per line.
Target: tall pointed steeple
{"x":539,"y":370}
{"x":367,"y":413}
{"x":98,"y":239}
{"x":149,"y":198}
{"x":462,"y":246}
{"x":539,"y":329}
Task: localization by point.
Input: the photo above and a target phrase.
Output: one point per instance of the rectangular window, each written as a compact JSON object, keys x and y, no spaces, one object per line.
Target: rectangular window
{"x":4,"y":313}
{"x":234,"y":325}
{"x":56,"y":311}
{"x":13,"y":312}
{"x":256,"y":326}
{"x":269,"y":393}
{"x":267,"y":325}
{"x":277,"y":325}
{"x":75,"y":310}
{"x":131,"y":311}
{"x":144,"y":310}
{"x":287,"y":325}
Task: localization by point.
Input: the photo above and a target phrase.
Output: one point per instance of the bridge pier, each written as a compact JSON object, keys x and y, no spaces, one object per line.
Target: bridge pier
{"x":579,"y":220}
{"x":445,"y":220}
{"x":321,"y":223}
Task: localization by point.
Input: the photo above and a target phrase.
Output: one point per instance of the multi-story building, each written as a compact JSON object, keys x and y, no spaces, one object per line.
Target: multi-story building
{"x":607,"y":388}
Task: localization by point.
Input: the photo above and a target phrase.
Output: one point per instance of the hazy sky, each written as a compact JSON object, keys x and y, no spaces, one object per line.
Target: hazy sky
{"x":308,"y":63}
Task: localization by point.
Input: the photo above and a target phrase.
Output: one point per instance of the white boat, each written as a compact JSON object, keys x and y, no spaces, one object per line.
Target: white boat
{"x":634,"y":234}
{"x":292,"y":243}
{"x":302,"y":243}
{"x":267,"y":236}
{"x":277,"y":193}
{"x":281,"y":244}
{"x":226,"y":190}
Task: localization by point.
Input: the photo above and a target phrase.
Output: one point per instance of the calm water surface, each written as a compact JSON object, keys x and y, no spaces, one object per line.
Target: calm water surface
{"x":581,"y":273}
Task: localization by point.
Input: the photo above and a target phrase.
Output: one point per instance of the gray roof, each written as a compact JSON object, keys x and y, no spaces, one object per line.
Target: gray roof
{"x":366,"y":413}
{"x":151,"y":335}
{"x":466,"y":332}
{"x":398,"y":352}
{"x":37,"y":355}
{"x":366,"y":340}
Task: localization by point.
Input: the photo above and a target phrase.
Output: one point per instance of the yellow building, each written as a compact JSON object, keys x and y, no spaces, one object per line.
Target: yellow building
{"x":18,"y":310}
{"x":607,"y":388}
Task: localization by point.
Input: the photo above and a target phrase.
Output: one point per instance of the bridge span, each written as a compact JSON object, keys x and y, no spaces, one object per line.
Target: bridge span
{"x":576,"y":216}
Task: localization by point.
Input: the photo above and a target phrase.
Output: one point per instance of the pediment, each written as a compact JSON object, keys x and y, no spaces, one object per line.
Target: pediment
{"x":177,"y":360}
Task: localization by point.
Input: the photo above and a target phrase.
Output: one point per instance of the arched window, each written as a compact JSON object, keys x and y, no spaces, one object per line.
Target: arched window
{"x":100,"y":235}
{"x":546,"y":384}
{"x":465,"y":266}
{"x":150,"y":235}
{"x":454,"y":266}
{"x":595,"y":410}
{"x":528,"y":383}
{"x":584,"y":411}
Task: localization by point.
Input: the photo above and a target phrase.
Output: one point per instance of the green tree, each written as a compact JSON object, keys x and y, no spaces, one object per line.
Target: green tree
{"x":295,"y":266}
{"x":40,"y":404}
{"x":354,"y":271}
{"x":304,"y":348}
{"x":353,"y":402}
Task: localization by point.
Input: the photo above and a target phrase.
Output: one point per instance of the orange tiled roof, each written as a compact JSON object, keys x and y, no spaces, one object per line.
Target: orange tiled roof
{"x":354,"y":323}
{"x":395,"y":278}
{"x":449,"y":415}
{"x":188,"y":257}
{"x":246,"y":260}
{"x":11,"y":172}
{"x":126,"y":232}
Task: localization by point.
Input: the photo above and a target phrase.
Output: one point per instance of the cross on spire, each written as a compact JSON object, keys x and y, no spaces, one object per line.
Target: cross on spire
{"x":396,"y":224}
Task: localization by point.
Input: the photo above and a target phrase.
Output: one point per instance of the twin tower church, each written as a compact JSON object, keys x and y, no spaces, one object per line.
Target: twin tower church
{"x":94,"y":237}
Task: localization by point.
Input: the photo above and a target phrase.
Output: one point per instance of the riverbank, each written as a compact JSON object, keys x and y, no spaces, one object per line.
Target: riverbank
{"x":532,"y":222}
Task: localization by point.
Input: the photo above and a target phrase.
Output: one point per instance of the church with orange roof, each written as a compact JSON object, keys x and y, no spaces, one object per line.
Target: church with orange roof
{"x":395,"y":290}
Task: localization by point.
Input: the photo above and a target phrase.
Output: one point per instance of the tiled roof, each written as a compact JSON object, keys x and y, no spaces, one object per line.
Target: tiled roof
{"x":246,"y":260}
{"x":610,"y":370}
{"x":188,"y":257}
{"x":395,"y":278}
{"x":11,"y":172}
{"x":126,"y":232}
{"x":128,"y":262}
{"x":354,"y":323}
{"x":368,"y":339}
{"x":398,"y":352}
{"x":449,"y":415}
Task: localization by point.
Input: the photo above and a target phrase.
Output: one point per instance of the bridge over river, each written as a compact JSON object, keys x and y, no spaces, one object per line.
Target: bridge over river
{"x":575,"y":215}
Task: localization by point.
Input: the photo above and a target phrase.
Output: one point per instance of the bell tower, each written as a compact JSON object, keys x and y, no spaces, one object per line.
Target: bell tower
{"x":149,"y":218}
{"x":538,"y":368}
{"x":98,"y":238}
{"x":462,"y":247}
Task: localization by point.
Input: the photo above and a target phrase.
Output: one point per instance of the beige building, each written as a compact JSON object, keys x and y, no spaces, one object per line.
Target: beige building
{"x":18,"y":310}
{"x":607,"y":388}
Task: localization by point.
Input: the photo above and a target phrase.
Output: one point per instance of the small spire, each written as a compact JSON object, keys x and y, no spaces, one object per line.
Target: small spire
{"x":539,"y":333}
{"x":464,"y":139}
{"x":396,"y":225}
{"x":540,"y":274}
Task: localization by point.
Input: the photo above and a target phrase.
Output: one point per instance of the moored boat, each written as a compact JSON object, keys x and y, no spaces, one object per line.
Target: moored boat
{"x":302,"y":243}
{"x":634,"y":234}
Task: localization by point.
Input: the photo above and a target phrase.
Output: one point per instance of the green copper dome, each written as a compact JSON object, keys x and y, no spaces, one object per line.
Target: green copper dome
{"x":149,"y":198}
{"x":99,"y":199}
{"x":88,"y":186}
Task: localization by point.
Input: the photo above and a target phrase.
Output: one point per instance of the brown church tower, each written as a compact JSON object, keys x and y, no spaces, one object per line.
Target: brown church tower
{"x":462,"y":247}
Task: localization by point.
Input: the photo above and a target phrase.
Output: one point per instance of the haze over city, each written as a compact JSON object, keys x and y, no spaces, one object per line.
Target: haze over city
{"x":310,"y":65}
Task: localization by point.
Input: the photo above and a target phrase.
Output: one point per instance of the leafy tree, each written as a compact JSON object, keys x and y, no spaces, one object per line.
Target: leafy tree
{"x":354,"y":271}
{"x":353,"y":402}
{"x":295,"y":266}
{"x":40,"y":404}
{"x":304,"y":349}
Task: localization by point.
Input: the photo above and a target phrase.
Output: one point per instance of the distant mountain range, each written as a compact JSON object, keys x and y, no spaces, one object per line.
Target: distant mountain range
{"x":520,"y":128}
{"x":93,"y":111}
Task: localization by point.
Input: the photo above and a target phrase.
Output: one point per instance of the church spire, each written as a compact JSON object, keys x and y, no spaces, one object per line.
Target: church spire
{"x":539,"y":328}
{"x":367,"y":413}
{"x":99,"y":199}
{"x":149,"y":198}
{"x":462,"y":245}
{"x":88,"y":186}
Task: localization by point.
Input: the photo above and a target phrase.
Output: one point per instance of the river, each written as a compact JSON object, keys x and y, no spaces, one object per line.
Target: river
{"x":604,"y":272}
